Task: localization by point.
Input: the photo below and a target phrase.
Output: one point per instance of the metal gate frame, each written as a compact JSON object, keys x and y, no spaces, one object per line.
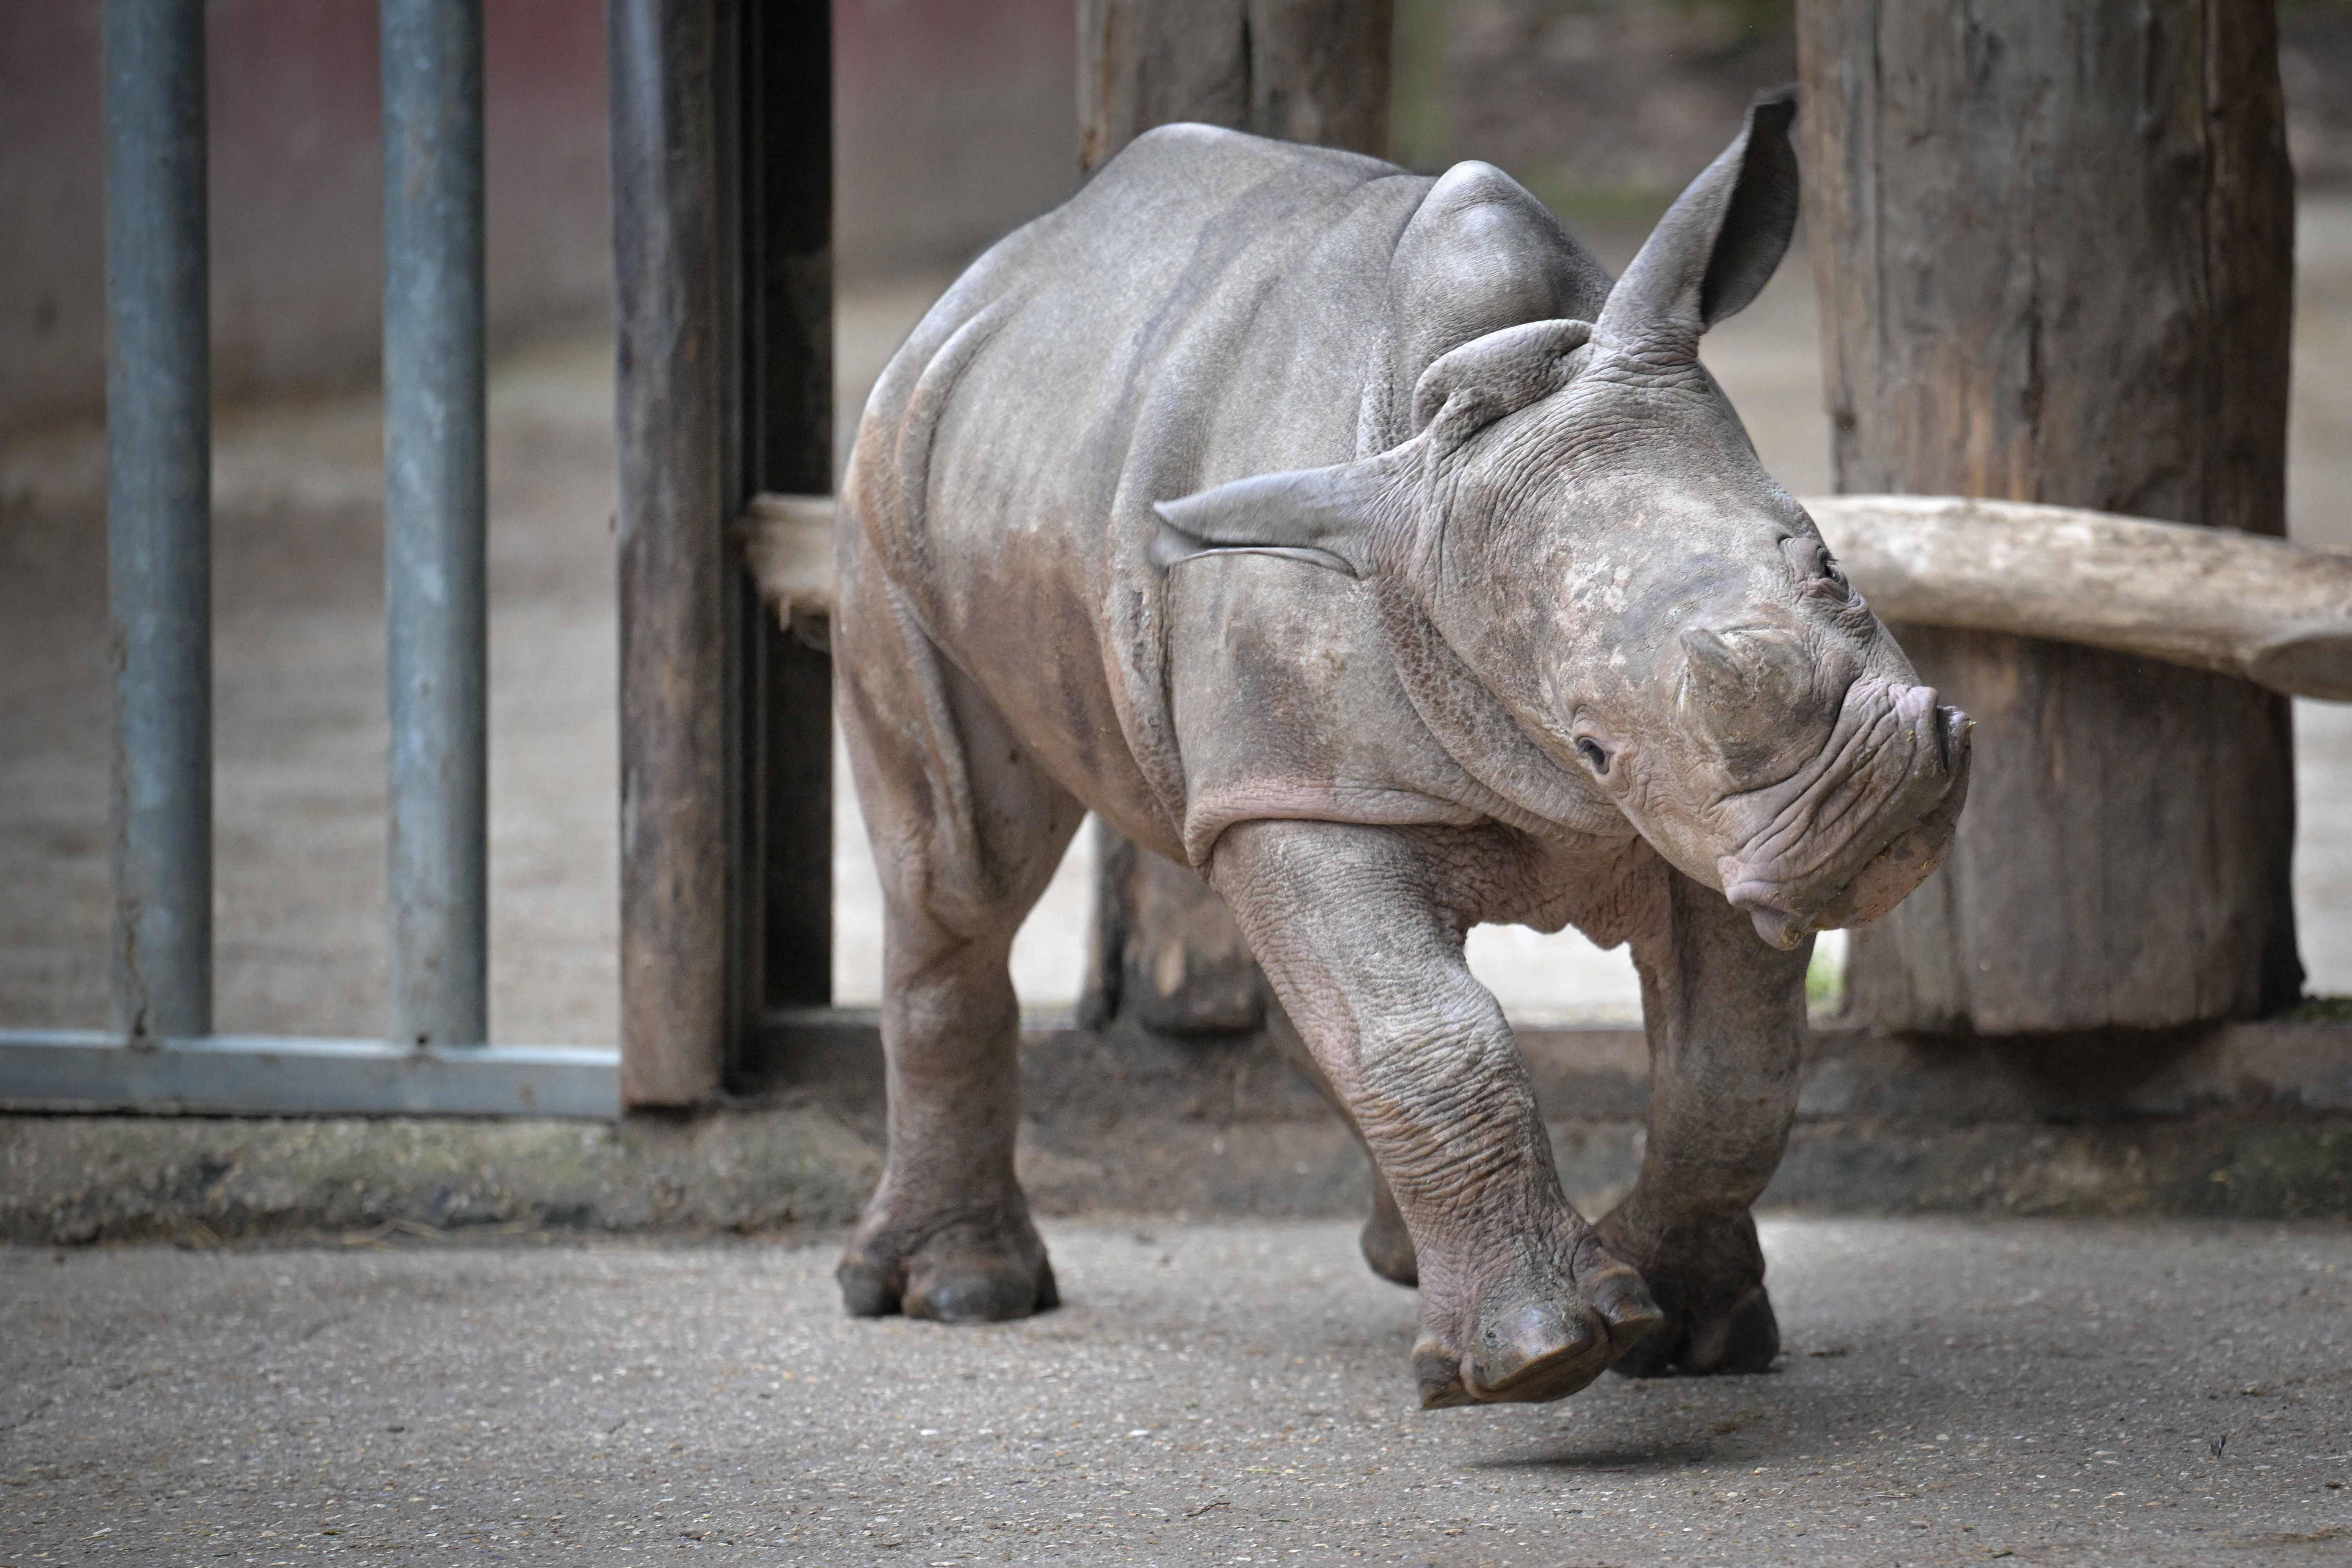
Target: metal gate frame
{"x":722,"y":190}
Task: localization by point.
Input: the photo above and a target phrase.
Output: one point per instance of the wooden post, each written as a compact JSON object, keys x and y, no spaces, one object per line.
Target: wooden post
{"x":1304,"y":70}
{"x":671,"y":522}
{"x":2052,"y":240}
{"x":1164,"y":953}
{"x":722,"y":182}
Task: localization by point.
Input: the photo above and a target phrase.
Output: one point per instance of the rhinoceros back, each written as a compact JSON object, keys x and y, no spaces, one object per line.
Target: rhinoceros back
{"x":1211,"y":305}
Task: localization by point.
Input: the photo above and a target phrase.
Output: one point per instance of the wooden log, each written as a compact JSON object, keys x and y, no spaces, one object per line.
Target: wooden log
{"x":2053,"y":246}
{"x":2271,"y":612}
{"x":722,"y":215}
{"x":1162,"y":949}
{"x":787,"y":543}
{"x":675,"y":842}
{"x":2274,"y":612}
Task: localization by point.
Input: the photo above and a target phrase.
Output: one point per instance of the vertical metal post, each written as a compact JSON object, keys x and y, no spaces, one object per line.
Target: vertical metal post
{"x":159,"y":517}
{"x":672,"y":524}
{"x":434,"y":501}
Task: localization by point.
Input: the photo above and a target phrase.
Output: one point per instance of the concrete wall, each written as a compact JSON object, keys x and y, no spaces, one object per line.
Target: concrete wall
{"x":954,"y":121}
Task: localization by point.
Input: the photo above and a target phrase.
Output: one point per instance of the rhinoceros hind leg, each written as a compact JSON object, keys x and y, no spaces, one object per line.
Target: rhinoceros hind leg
{"x":967,"y":827}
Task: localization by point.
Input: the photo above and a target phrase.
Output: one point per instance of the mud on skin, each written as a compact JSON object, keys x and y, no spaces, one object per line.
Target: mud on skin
{"x":1350,"y":537}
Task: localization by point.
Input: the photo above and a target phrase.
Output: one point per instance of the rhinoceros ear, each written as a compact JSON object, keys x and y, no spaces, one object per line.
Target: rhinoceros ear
{"x":1332,"y":516}
{"x":1718,"y":245}
{"x":1472,"y":386}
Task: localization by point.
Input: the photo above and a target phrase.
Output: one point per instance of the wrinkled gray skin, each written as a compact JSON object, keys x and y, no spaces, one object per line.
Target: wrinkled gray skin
{"x":1345,"y":534}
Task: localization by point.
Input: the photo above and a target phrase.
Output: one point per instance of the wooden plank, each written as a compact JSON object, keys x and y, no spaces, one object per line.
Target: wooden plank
{"x":2053,"y":249}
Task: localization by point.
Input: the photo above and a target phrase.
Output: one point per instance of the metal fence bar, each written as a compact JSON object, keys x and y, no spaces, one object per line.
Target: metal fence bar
{"x":435,"y":506}
{"x":280,"y":1075}
{"x":159,"y":517}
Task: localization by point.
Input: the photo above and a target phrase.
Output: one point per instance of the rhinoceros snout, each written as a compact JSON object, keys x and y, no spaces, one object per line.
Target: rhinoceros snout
{"x":1790,"y":895}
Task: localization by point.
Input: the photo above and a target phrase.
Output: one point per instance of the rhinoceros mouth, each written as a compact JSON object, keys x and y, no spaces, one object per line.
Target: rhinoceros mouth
{"x":1861,"y":825}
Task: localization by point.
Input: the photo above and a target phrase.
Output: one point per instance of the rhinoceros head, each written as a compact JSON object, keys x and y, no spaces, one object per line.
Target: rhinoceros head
{"x":1581,"y":516}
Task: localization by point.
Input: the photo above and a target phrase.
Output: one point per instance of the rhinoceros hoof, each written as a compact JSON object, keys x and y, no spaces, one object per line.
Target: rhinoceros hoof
{"x":1523,"y":1350}
{"x":1707,"y":1276}
{"x":1744,"y":1337}
{"x":1712,"y":1327}
{"x":969,"y":1270}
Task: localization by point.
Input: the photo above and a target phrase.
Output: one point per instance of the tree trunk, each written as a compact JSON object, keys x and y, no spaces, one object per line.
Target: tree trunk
{"x":2053,"y":245}
{"x":1164,"y":953}
{"x":1304,"y":70}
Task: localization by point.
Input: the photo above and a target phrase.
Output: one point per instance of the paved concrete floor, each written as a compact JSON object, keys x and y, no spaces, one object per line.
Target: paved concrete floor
{"x":2064,"y":1391}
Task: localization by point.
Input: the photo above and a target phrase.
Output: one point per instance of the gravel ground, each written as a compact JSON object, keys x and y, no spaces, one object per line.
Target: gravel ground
{"x":2076,"y":1391}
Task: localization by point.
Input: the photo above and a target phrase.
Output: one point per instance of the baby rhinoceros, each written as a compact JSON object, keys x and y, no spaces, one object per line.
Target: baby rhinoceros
{"x":1346,"y":535}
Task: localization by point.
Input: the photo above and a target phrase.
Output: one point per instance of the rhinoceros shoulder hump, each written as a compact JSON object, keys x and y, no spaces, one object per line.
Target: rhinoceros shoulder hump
{"x":1482,"y":249}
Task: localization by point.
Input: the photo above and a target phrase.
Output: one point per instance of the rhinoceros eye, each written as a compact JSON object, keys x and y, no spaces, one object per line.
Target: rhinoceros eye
{"x":1813,"y":559}
{"x":1594,"y":757}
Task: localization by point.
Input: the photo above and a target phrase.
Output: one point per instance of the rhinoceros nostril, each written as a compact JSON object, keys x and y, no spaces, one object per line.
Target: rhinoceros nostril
{"x":1916,"y":706}
{"x":1952,"y":728}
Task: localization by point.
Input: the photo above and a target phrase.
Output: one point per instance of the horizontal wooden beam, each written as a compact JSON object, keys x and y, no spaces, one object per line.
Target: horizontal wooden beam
{"x":788,"y":544}
{"x":2277,"y":614}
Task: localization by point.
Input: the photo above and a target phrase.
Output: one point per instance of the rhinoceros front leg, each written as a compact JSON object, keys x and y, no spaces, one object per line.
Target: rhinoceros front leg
{"x":1726,"y":1015}
{"x":1520,"y":1298}
{"x":1386,"y":1245}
